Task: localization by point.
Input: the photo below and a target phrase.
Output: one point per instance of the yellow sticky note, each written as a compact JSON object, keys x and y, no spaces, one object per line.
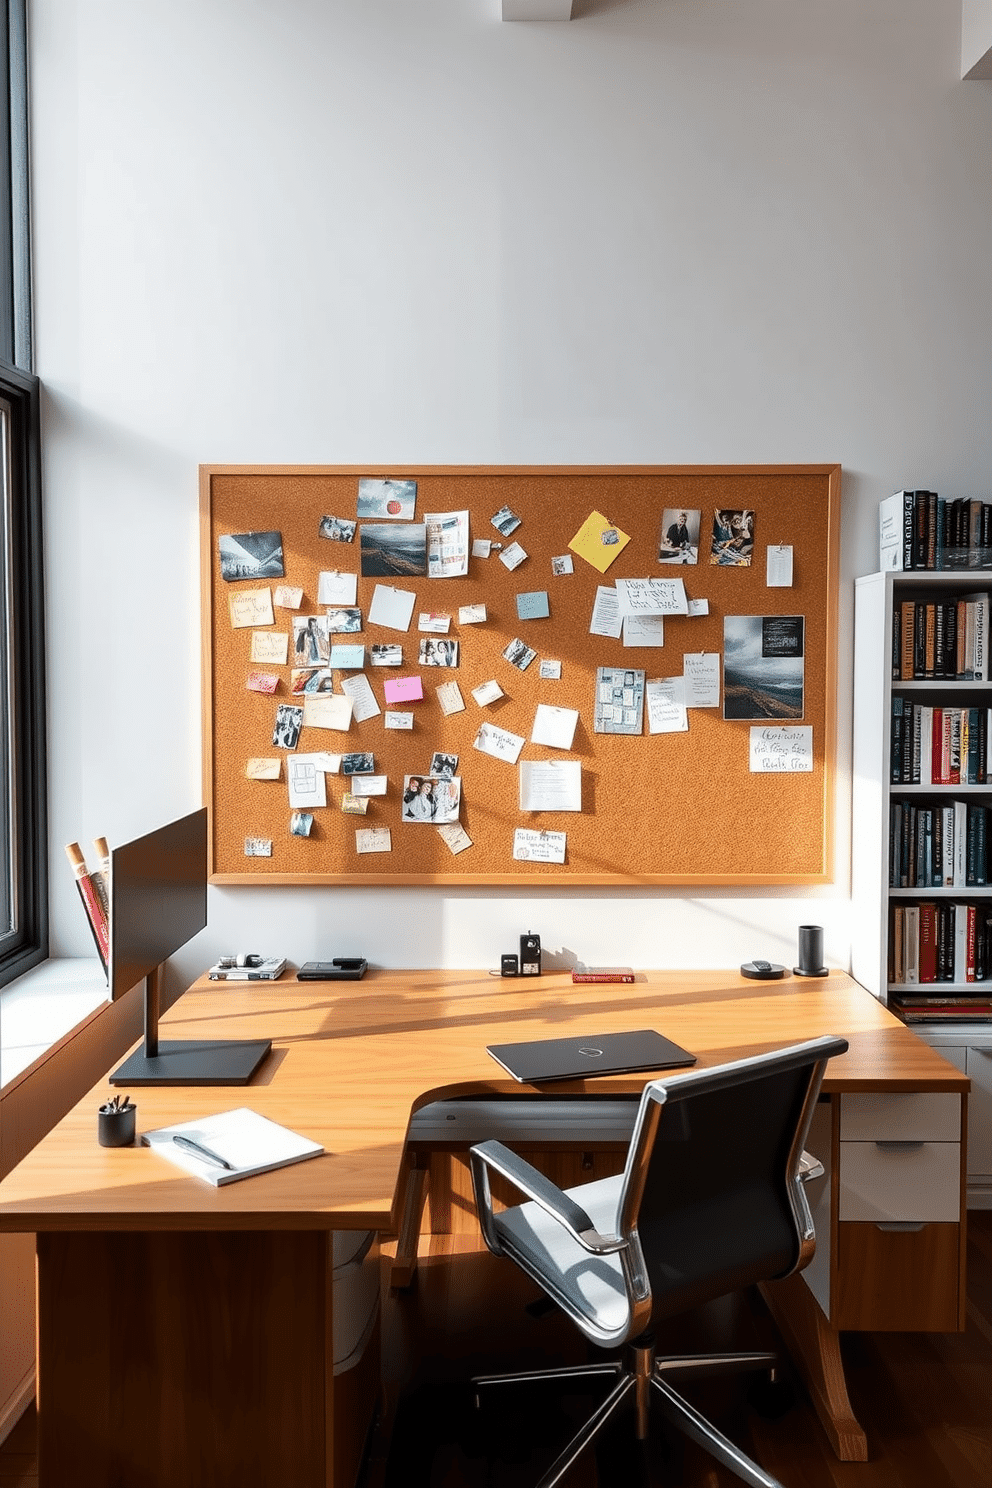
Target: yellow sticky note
{"x":598,"y":541}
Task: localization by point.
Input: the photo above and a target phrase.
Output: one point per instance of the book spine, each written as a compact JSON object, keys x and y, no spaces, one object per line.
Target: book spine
{"x":980,"y":664}
{"x":907,"y":529}
{"x":970,"y":945}
{"x":895,"y":742}
{"x":91,"y":902}
{"x":896,"y":642}
{"x":951,"y":640}
{"x":928,"y":943}
{"x":582,"y":977}
{"x":939,"y":639}
{"x":931,"y":529}
{"x":908,"y":632}
{"x":929,"y":641}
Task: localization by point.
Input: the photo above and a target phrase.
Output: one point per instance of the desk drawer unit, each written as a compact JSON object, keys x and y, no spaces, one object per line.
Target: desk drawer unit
{"x":899,"y":1201}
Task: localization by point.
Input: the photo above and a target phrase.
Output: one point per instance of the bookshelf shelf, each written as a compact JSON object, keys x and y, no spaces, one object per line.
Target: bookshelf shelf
{"x":971,"y":891}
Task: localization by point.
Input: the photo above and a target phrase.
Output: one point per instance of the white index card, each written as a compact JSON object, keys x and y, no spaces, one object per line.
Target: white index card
{"x":373,"y":840}
{"x":335,"y":588}
{"x":644,"y":630}
{"x":307,"y":787}
{"x":432,"y":624}
{"x":487,"y":692}
{"x":250,"y":607}
{"x":606,"y":618}
{"x":550,"y":670}
{"x":500,"y":743}
{"x":778,"y":568}
{"x":391,"y":607}
{"x":263,"y":769}
{"x":391,"y":719}
{"x":472,"y":614}
{"x":698,"y":607}
{"x":363,"y":698}
{"x":327,"y":711}
{"x":270,"y":646}
{"x":455,"y":837}
{"x":369,"y":785}
{"x":554,"y":726}
{"x":538,"y":847}
{"x":329,"y":763}
{"x":513,"y":556}
{"x":450,"y":699}
{"x":550,"y":785}
{"x":701,"y":674}
{"x":781,"y":750}
{"x":481,"y":547}
{"x":665,"y":697}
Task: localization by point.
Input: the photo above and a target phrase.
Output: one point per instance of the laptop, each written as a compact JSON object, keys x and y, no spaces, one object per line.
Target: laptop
{"x":589,"y":1054}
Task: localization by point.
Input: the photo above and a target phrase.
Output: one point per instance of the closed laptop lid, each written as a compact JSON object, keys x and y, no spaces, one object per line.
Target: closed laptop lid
{"x":589,"y":1054}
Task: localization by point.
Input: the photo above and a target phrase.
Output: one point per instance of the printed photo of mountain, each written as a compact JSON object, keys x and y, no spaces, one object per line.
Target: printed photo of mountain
{"x":389,"y":551}
{"x":763,"y":666}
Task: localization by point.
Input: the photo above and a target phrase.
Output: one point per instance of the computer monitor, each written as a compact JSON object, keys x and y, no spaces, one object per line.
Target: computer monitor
{"x":158,"y":901}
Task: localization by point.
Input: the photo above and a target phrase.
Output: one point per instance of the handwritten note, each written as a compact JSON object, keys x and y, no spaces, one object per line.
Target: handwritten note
{"x":777,"y":750}
{"x":271,"y":646}
{"x":250,"y":607}
{"x":701,"y":674}
{"x":538,"y":847}
{"x":665,"y":697}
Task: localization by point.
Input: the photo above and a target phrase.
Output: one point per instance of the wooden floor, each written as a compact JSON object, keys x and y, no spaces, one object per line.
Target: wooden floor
{"x":925,"y":1400}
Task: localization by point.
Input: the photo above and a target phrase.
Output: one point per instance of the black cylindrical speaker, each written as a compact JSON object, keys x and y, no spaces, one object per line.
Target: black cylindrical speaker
{"x":810,"y":952}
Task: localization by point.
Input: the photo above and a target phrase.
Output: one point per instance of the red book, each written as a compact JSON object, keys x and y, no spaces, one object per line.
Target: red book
{"x":928,"y":942}
{"x":91,"y":902}
{"x":603,"y":974}
{"x":970,"y":953}
{"x":936,"y":747}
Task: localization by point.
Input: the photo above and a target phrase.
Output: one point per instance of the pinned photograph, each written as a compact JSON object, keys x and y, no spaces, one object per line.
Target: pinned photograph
{"x":289,"y":722}
{"x":562,"y":565}
{"x":338,"y":529}
{"x":358,"y":764}
{"x":258,"y":847}
{"x":392,"y":500}
{"x":679,"y":540}
{"x":389,"y":552}
{"x":763,"y":666}
{"x":300,"y":823}
{"x":386,"y":656}
{"x":513,"y":556}
{"x":733,"y":538}
{"x":251,"y":555}
{"x":311,"y":679}
{"x":519,"y":654}
{"x":431,"y":798}
{"x":444,"y":765}
{"x":439,"y":653}
{"x":344,"y":621}
{"x":505,"y":521}
{"x":311,"y":640}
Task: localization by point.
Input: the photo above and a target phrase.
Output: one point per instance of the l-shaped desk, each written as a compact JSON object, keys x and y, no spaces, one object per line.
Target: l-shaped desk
{"x":185,"y":1331}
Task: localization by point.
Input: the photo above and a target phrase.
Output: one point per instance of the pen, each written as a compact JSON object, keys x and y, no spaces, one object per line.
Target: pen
{"x":188,"y":1145}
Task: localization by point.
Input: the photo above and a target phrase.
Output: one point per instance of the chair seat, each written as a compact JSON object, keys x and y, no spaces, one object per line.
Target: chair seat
{"x":593,"y":1285}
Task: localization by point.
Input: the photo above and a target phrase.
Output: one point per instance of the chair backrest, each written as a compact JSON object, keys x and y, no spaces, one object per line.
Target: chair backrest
{"x":711,"y":1187}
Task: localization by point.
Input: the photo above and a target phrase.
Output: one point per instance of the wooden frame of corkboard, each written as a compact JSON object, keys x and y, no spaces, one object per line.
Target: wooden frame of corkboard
{"x":677,"y":808}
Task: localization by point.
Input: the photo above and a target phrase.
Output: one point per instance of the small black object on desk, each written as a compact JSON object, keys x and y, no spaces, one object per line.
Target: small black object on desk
{"x":116,"y":1122}
{"x":811,"y":952}
{"x":762,"y":971}
{"x":341,"y":969}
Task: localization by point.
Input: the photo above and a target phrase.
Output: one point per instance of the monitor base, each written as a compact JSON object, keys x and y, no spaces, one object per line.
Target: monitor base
{"x":194,"y":1062}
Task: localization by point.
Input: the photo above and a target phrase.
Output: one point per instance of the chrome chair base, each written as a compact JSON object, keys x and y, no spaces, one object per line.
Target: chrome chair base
{"x":644,"y":1375}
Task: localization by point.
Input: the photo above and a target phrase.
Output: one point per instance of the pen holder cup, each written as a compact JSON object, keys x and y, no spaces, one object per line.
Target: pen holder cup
{"x":117,"y":1128}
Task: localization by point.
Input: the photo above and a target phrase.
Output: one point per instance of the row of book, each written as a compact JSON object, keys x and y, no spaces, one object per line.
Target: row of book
{"x":939,"y":847}
{"x":94,"y":893}
{"x":943,"y":640}
{"x":938,"y":746}
{"x":921,"y":530}
{"x":949,"y":1009}
{"x":940,"y":941}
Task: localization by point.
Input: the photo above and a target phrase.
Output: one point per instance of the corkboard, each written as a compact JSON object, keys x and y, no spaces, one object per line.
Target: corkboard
{"x":656,"y":809}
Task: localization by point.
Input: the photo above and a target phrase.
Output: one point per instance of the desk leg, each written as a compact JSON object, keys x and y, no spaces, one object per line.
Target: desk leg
{"x":414,"y":1198}
{"x":815,"y":1349}
{"x":194,"y":1358}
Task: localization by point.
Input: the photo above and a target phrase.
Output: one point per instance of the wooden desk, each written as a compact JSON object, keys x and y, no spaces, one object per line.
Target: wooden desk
{"x":184,"y":1331}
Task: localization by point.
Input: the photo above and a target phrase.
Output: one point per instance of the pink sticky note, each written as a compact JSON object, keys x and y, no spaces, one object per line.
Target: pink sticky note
{"x":404,"y":689}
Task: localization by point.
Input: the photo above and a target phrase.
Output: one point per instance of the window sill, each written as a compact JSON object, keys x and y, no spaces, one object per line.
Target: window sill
{"x":42,"y":1006}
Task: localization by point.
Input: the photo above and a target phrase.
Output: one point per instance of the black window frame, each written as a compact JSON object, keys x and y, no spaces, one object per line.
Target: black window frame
{"x":26,"y":780}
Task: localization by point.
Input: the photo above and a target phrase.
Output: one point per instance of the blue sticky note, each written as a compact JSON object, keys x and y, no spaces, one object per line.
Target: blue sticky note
{"x":348,"y":658}
{"x":533,"y":606}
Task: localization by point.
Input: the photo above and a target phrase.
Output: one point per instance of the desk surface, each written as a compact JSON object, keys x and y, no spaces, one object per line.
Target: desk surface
{"x":351,"y":1061}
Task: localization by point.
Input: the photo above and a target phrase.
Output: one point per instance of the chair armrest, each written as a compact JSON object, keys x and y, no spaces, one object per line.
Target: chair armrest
{"x":570,"y":1215}
{"x":809,"y":1167}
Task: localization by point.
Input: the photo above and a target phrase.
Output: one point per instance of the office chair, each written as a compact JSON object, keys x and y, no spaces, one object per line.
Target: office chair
{"x":710,"y":1201}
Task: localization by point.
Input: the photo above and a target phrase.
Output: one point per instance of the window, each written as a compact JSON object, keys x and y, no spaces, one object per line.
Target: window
{"x":23,"y":807}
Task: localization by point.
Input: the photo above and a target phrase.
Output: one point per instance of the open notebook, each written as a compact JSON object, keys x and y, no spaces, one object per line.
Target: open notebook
{"x":231,"y":1145}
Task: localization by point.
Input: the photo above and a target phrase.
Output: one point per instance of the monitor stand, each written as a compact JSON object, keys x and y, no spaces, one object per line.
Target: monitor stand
{"x":190,"y":1062}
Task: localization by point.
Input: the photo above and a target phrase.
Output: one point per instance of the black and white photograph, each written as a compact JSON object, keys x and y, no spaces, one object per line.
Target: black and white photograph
{"x":289,"y":722}
{"x":311,"y":640}
{"x":358,"y":764}
{"x":763,"y":666}
{"x":562,"y":565}
{"x":505,"y":521}
{"x":733,"y":538}
{"x":438,"y":651}
{"x":346,"y":621}
{"x":519,"y":654}
{"x":679,"y":538}
{"x":444,"y":765}
{"x":311,"y":679}
{"x":389,"y":552}
{"x":387,"y":500}
{"x":300,"y":823}
{"x":385,"y":655}
{"x":337,"y":529}
{"x":251,"y":555}
{"x":431,"y":798}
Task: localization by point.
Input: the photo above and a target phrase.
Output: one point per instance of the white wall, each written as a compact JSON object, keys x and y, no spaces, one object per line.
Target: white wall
{"x":394,"y":231}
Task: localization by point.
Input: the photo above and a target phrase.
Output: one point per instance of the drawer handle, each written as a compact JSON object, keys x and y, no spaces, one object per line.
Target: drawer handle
{"x":898,"y":1146}
{"x":900,"y":1226}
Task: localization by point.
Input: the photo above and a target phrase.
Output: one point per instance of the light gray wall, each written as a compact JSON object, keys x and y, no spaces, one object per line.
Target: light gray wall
{"x":400,"y":231}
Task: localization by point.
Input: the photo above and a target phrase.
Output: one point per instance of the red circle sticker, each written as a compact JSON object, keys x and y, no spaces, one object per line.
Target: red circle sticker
{"x":394,"y":508}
